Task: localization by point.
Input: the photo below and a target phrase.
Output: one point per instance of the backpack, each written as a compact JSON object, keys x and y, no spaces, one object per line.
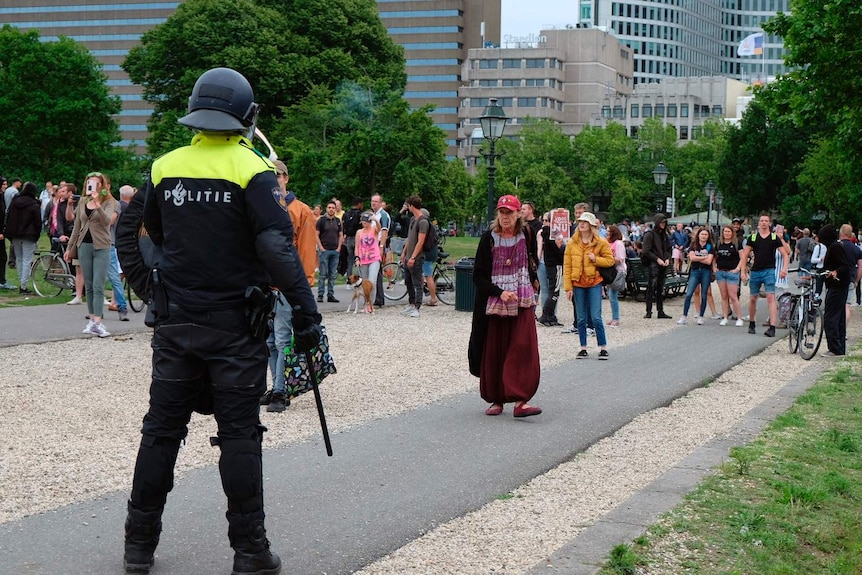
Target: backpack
{"x":430,"y":237}
{"x":784,"y":302}
{"x":352,"y":223}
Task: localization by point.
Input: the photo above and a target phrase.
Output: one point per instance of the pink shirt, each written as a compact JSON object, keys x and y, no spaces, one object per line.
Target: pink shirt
{"x":367,"y":247}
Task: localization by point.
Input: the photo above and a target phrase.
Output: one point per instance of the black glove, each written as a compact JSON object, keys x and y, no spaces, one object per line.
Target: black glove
{"x":306,"y":330}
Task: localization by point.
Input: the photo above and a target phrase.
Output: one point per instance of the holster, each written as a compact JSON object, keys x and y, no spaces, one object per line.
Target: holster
{"x":261,"y":310}
{"x":159,"y":306}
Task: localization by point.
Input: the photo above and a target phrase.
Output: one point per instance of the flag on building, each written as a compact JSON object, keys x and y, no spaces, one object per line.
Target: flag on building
{"x":751,"y":45}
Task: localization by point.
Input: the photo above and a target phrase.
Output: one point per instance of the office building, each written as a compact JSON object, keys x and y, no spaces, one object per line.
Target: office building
{"x":564,"y":77}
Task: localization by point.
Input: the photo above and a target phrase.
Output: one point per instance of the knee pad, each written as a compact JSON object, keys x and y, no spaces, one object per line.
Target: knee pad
{"x":241,"y":469}
{"x":154,"y":471}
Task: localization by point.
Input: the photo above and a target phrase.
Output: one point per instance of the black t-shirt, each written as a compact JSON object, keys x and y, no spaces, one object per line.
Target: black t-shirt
{"x":329,"y":229}
{"x":552,"y":255}
{"x":706,"y":250}
{"x":726,"y":256}
{"x":764,"y":250}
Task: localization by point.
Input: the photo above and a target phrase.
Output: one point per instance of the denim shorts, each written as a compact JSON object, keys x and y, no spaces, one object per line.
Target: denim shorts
{"x":427,"y":268}
{"x":765,"y":278}
{"x":728,"y":277}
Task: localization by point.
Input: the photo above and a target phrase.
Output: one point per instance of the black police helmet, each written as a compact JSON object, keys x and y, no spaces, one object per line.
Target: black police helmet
{"x":221,"y":101}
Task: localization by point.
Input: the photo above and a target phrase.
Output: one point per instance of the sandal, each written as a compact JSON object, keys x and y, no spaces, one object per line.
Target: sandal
{"x":431,"y":303}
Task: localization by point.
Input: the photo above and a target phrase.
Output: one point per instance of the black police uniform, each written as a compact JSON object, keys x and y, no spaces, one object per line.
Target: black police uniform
{"x":212,"y":209}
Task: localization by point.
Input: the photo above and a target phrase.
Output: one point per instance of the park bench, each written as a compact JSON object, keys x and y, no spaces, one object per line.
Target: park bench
{"x":637,"y":281}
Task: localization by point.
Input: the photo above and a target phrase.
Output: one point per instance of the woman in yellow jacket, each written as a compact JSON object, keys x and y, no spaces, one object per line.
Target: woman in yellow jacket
{"x":586,"y":252}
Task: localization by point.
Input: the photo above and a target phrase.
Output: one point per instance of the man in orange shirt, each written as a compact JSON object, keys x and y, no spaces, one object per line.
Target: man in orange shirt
{"x":305,"y":241}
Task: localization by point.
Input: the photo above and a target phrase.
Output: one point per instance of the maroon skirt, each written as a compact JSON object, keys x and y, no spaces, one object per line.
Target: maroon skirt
{"x":510,"y":363}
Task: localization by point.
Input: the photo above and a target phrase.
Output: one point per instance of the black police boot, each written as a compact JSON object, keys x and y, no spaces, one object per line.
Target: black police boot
{"x":142,"y":536}
{"x":251,"y":547}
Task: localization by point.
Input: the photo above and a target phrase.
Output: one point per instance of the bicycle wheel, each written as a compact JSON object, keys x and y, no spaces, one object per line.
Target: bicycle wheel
{"x":394,"y":287}
{"x":811,"y":333}
{"x":445,"y":285}
{"x":136,"y":303}
{"x":794,"y":320}
{"x":39,"y":270}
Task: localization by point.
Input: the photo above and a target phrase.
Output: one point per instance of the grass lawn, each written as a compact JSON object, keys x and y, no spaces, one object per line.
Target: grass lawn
{"x":458,"y":247}
{"x":788,"y":503}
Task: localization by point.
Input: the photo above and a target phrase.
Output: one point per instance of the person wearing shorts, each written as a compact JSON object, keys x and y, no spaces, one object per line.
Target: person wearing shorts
{"x":763,"y":244}
{"x":727,"y":266}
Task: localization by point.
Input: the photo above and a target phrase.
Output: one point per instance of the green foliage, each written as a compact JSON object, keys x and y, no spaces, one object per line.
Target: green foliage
{"x":57,"y":110}
{"x":283,"y":48}
{"x":607,"y":159}
{"x":623,"y":560}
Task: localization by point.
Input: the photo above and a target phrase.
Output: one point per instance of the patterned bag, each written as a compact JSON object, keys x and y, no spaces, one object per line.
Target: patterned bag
{"x":297,"y":378}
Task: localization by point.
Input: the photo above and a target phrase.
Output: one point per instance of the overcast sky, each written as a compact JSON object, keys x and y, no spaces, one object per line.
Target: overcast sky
{"x":525,"y":17}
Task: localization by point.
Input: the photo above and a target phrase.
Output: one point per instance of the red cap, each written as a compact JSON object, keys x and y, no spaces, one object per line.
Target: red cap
{"x":509,"y":203}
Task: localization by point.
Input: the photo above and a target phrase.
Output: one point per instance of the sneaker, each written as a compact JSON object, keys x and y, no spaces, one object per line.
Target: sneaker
{"x":320,"y":299}
{"x":603,"y":354}
{"x":570,"y":329}
{"x":544,"y":321}
{"x":700,"y":320}
{"x":124,"y":314}
{"x":648,"y":315}
{"x":582,"y":354}
{"x":277,"y":403}
{"x":7,"y":285}
{"x":75,"y":301}
{"x":662,"y":315}
{"x":408,"y":308}
{"x":740,"y":323}
{"x":332,"y":299}
{"x":682,"y":321}
{"x":99,"y":330}
{"x":591,"y":332}
{"x":724,"y":321}
{"x":828,"y":354}
{"x":555,"y":323}
{"x":89,"y":327}
{"x":413,"y":313}
{"x":746,"y":318}
{"x":614,"y":323}
{"x":266,"y":398}
{"x":770,"y":331}
{"x":716,"y":316}
{"x":24,"y":291}
{"x":751,"y":328}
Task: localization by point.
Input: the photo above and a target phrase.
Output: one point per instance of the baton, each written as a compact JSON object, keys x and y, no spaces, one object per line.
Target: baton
{"x":319,"y":403}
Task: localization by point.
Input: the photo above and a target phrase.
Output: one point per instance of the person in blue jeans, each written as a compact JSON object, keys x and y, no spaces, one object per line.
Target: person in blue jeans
{"x":329,"y":240}
{"x":700,"y":255}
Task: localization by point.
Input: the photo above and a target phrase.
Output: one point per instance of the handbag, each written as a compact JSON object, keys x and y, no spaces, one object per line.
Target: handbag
{"x":297,"y":377}
{"x":608,"y":274}
{"x":619,"y":283}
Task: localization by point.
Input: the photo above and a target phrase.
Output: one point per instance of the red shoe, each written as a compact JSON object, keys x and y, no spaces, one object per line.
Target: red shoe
{"x":495,"y":409}
{"x":527,"y":410}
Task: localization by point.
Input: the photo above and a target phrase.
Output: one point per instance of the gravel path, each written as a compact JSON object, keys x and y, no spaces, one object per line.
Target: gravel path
{"x":72,"y":413}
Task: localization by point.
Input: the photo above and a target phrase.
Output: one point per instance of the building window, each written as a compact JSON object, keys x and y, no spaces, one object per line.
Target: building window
{"x":636,"y":111}
{"x":505,"y":102}
{"x":488,"y":83}
{"x":683,"y":110}
{"x":619,"y":112}
{"x":511,"y":63}
{"x":478,"y":102}
{"x":634,"y":132}
{"x":717,"y":111}
{"x":695,"y":132}
{"x":526,"y":102}
{"x":487,"y":64}
{"x":535,"y":82}
{"x":606,"y":112}
{"x":510,"y":82}
{"x":683,"y":132}
{"x":659,"y":110}
{"x":671,"y":110}
{"x":535,"y":63}
{"x":647,"y":110}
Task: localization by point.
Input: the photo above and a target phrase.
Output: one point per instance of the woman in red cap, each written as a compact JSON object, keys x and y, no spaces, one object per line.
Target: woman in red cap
{"x":504,"y":347}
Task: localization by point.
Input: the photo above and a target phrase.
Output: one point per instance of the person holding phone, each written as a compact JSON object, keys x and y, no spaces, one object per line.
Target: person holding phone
{"x":90,"y":244}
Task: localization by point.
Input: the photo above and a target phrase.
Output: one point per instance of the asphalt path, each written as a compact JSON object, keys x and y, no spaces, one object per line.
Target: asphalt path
{"x":390,"y":480}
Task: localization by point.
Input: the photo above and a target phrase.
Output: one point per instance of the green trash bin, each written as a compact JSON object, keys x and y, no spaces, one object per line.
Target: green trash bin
{"x":465,"y":290}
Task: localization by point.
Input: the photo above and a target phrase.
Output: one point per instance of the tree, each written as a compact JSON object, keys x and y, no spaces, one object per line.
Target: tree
{"x":284,"y":48}
{"x":607,"y":160}
{"x":57,"y":109}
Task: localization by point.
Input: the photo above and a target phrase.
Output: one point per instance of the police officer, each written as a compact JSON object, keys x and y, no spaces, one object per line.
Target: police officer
{"x":212,"y":209}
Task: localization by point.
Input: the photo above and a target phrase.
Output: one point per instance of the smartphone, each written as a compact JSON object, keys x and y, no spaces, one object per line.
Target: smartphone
{"x":91,"y":187}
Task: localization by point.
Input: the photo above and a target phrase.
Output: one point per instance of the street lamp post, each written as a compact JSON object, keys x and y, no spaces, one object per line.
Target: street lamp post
{"x":493,"y":121}
{"x":719,"y":197}
{"x":698,"y":203}
{"x":659,"y":175}
{"x":709,"y":190}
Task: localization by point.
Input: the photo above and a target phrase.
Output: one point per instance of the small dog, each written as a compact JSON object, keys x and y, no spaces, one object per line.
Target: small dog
{"x":361,"y":288}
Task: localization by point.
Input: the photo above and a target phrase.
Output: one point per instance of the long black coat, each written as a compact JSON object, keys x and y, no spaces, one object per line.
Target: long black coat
{"x":484,"y":289}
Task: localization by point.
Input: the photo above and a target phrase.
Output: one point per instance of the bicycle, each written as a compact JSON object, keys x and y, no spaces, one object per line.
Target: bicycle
{"x":50,"y":274}
{"x":395,"y":288}
{"x":805,"y":322}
